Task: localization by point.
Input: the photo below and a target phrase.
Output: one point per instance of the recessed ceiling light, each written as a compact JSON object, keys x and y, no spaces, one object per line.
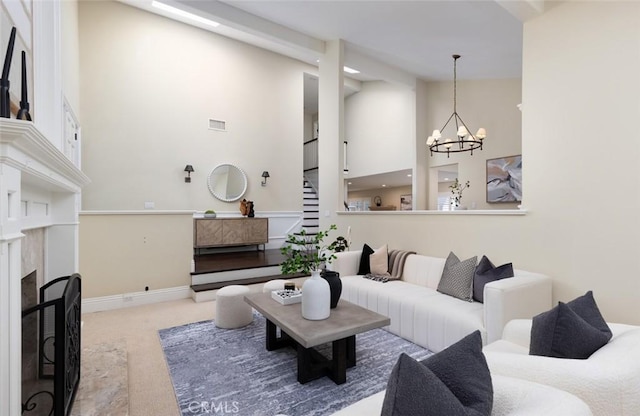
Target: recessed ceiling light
{"x":384,"y":186}
{"x":183,"y":13}
{"x":408,"y":174}
{"x":348,"y":183}
{"x":351,"y":70}
{"x":446,"y":179}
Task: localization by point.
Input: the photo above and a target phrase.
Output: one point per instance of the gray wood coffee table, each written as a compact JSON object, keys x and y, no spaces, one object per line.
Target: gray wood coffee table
{"x":345,"y":321}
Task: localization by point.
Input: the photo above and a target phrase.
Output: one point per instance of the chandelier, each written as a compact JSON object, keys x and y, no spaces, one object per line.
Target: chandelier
{"x":465,"y":141}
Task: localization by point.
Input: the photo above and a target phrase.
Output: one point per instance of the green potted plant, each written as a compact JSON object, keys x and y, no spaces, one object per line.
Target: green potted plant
{"x":209,"y":213}
{"x":307,"y":253}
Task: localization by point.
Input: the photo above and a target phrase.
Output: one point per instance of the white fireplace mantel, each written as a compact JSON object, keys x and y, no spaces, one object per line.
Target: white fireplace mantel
{"x":39,"y":188}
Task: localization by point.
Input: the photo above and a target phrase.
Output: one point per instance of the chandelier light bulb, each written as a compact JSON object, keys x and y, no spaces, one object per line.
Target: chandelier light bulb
{"x":481,"y":134}
{"x":436,"y":135}
{"x":448,"y":143}
{"x":462,"y":131}
{"x":430,"y":140}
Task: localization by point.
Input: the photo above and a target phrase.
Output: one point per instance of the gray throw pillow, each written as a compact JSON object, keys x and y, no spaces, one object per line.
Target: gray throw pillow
{"x":457,"y":277}
{"x":562,"y":333}
{"x":486,"y":272}
{"x":455,"y":381}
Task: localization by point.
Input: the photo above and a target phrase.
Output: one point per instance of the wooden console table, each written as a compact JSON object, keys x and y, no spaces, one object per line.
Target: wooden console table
{"x":226,"y":232}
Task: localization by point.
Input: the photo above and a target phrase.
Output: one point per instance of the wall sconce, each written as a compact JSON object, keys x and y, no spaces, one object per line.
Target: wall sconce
{"x":188,"y":169}
{"x":265,"y":175}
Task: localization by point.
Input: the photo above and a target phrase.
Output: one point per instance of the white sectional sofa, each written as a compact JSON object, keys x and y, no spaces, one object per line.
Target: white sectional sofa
{"x":511,"y":397}
{"x":421,"y":314}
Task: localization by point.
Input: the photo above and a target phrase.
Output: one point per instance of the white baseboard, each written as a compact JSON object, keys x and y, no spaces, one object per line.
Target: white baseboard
{"x":126,"y":300}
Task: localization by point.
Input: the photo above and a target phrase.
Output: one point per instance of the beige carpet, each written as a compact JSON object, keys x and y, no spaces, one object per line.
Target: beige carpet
{"x":150,"y":389}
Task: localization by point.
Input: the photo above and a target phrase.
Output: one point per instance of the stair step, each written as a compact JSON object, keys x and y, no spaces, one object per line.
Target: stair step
{"x":217,"y":285}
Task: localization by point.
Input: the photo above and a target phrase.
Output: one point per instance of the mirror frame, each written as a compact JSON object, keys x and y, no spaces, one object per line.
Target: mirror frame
{"x":223,"y":198}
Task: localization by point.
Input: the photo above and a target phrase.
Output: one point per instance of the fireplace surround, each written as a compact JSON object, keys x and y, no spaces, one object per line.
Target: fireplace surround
{"x":39,"y":194}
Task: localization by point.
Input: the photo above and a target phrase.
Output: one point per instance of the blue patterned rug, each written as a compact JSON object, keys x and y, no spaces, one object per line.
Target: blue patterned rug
{"x":220,"y":371}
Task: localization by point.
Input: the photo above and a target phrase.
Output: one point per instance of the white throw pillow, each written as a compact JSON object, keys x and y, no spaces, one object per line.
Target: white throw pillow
{"x":379,"y":261}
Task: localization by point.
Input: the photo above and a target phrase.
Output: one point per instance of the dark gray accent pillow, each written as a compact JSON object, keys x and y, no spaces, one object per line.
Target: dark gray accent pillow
{"x":562,"y":333}
{"x":486,"y":272}
{"x":455,"y":381}
{"x":457,"y":277}
{"x":463,"y":368}
{"x":364,"y":260}
{"x":413,"y":389}
{"x":586,"y":308}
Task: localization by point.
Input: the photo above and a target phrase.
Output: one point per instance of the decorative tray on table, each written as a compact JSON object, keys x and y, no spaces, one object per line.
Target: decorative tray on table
{"x":287,"y":296}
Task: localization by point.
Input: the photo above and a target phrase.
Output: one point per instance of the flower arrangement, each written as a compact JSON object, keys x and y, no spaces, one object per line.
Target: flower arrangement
{"x":456,"y":192}
{"x":307,"y":252}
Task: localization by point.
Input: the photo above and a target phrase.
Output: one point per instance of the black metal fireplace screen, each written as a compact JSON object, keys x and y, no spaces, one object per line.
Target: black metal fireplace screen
{"x":52,"y":328}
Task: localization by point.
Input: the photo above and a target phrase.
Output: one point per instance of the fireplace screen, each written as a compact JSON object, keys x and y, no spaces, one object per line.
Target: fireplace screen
{"x":51,"y":349}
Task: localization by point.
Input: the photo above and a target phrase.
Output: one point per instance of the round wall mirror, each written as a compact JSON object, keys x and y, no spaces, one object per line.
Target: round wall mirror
{"x":227,"y":182}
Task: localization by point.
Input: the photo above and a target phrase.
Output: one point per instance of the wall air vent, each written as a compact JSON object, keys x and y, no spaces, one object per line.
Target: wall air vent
{"x":217,"y":125}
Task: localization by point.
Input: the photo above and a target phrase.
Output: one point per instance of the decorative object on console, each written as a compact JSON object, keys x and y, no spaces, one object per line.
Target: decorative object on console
{"x":5,"y":100}
{"x":570,"y":330}
{"x":23,"y":113}
{"x":335,"y":285}
{"x":486,"y":272}
{"x":464,"y":137}
{"x":188,"y":169}
{"x":265,"y":175}
{"x":457,"y":277}
{"x":456,"y":193}
{"x":377,"y":200}
{"x":504,"y":179}
{"x":251,"y":213}
{"x":406,"y":202}
{"x":440,"y":385}
{"x":209,"y":213}
{"x":244,"y":208}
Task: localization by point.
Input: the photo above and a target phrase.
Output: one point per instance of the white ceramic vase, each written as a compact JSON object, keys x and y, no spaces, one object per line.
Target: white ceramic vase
{"x":316,"y":297}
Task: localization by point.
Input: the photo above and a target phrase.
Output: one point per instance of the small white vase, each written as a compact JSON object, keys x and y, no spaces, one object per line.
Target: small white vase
{"x":316,"y":297}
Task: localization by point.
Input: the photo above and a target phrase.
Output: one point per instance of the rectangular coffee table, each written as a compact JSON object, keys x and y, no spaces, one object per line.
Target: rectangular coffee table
{"x":346,"y":320}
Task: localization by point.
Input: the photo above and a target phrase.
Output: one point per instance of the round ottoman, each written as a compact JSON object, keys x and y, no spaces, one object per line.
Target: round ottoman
{"x":231,"y":309}
{"x":271,"y":285}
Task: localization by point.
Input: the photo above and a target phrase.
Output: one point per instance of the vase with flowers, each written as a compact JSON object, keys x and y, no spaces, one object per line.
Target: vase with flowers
{"x":456,"y":193}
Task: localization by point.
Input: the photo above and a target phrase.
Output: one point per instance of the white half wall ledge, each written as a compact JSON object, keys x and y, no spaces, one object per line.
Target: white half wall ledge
{"x":126,"y":300}
{"x":467,"y":212}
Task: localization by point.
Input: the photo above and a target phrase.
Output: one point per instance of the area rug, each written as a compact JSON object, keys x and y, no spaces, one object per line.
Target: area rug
{"x":219,"y":371}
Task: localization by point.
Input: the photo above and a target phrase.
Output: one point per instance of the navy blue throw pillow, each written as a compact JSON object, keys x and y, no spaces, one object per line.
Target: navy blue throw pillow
{"x":486,"y":272}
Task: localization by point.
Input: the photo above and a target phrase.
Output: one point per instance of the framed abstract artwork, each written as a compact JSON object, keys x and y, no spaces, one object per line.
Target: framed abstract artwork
{"x":406,"y":202}
{"x":504,"y":179}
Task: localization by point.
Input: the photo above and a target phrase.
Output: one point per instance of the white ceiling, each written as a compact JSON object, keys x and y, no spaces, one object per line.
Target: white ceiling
{"x":396,"y":41}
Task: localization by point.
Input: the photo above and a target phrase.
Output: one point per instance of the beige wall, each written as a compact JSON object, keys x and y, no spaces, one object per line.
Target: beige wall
{"x":149,"y":86}
{"x":569,"y":100}
{"x":125,"y":253}
{"x":481,"y":103}
{"x":379,"y":125}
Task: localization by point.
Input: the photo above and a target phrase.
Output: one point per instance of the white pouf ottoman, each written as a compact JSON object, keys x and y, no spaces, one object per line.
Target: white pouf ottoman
{"x":231,"y":309}
{"x":271,"y":285}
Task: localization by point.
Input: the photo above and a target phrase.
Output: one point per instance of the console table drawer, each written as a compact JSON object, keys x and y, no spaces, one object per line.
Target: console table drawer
{"x":219,"y":232}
